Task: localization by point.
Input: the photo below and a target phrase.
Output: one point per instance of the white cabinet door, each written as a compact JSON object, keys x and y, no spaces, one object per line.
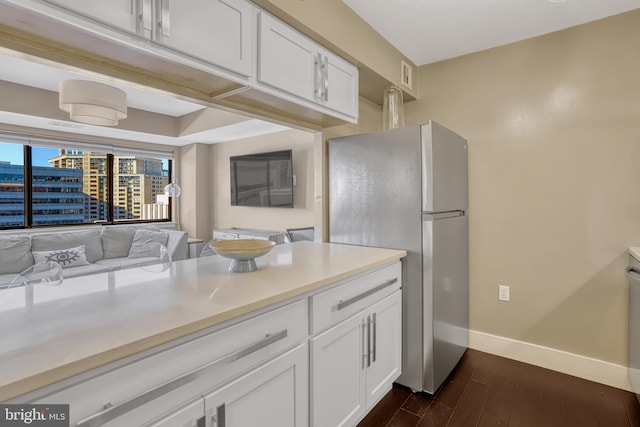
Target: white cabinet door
{"x":184,"y":417}
{"x":337,"y":374}
{"x":216,"y":31}
{"x":290,"y":62}
{"x":340,"y":90}
{"x":275,"y":394}
{"x":286,"y":59}
{"x":117,"y":13}
{"x":385,"y":342}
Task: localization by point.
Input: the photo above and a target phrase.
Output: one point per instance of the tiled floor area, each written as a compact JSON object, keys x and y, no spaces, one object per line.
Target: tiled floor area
{"x":487,"y":390}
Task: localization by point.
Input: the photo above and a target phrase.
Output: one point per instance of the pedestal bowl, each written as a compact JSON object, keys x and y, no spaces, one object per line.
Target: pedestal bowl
{"x":242,"y":252}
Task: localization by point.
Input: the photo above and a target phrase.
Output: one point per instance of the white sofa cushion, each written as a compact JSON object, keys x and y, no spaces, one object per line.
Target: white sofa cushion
{"x":16,"y":254}
{"x":123,"y":263}
{"x":116,"y":241}
{"x":146,"y":243}
{"x":70,"y":239}
{"x":83,"y":270}
{"x":71,"y":257}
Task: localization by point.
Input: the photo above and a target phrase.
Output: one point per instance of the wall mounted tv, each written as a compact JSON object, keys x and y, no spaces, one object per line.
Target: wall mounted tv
{"x":262,"y":179}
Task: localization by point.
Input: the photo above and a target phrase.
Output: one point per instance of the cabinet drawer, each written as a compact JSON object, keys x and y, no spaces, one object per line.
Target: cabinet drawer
{"x":142,"y":390}
{"x":336,"y":304}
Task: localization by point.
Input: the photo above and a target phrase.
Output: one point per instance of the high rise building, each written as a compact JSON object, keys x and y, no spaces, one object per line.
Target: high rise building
{"x":137,"y":182}
{"x":57,"y":195}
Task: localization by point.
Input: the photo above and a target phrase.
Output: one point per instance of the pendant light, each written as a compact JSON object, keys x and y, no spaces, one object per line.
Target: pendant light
{"x":93,"y":103}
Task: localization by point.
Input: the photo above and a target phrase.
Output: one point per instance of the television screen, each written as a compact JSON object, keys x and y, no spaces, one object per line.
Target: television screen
{"x":262,"y":179}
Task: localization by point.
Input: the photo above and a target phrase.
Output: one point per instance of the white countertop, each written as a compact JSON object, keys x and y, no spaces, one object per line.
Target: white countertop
{"x":635,"y":252}
{"x":57,"y":332}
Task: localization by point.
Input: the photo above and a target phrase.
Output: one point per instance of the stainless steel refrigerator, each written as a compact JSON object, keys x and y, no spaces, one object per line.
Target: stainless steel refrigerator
{"x":406,"y":188}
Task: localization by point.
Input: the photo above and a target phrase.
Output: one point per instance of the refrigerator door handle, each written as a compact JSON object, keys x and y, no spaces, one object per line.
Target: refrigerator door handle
{"x":430,"y":216}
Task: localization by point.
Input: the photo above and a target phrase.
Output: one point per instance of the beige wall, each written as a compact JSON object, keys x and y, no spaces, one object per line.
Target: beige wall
{"x":302,"y":214}
{"x":553,"y":125}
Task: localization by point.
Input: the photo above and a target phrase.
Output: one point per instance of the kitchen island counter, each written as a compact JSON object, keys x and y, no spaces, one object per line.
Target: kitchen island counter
{"x":52,"y":333}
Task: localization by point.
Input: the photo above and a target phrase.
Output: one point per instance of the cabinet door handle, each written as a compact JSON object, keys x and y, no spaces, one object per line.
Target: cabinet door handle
{"x":112,"y":412}
{"x":165,"y":18}
{"x":220,"y":418}
{"x":317,"y":77}
{"x":346,"y":303}
{"x":365,"y":344}
{"x":369,"y":343}
{"x":374,"y":333}
{"x":325,"y":92}
{"x":146,"y":15}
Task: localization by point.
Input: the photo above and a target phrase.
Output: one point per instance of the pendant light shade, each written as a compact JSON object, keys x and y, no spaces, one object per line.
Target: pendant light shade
{"x":172,"y":190}
{"x":93,"y":103}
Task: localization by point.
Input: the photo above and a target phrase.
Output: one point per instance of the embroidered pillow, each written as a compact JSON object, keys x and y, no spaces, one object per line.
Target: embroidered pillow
{"x":71,"y":257}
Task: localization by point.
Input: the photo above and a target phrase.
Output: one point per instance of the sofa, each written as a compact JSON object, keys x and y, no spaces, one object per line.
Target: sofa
{"x":89,"y":251}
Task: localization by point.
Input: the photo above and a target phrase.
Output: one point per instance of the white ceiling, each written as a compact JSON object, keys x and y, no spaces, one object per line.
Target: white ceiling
{"x":424,"y":30}
{"x":427,"y":31}
{"x":24,"y":70}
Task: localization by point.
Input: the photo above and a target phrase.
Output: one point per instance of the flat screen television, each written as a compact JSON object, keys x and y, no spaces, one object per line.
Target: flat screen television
{"x":262,"y":179}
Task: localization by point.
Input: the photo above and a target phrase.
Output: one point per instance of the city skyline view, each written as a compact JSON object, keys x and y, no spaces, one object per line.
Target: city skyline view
{"x":70,"y":186}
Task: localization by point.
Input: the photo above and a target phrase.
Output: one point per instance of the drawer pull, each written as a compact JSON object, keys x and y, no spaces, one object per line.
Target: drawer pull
{"x":342,"y":304}
{"x":252,"y":348}
{"x":112,"y":412}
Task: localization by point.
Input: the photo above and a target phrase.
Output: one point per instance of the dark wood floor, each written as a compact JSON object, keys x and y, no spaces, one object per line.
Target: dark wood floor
{"x":487,"y":390}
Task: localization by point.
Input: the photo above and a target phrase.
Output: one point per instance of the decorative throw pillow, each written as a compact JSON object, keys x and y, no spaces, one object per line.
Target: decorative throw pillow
{"x":147,"y":243}
{"x":71,"y":257}
{"x":15,"y":254}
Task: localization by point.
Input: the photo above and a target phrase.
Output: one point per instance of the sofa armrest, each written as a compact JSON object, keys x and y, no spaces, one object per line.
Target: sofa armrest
{"x":177,"y":244}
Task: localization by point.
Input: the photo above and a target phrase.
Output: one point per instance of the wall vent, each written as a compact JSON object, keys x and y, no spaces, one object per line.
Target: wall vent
{"x":406,"y":75}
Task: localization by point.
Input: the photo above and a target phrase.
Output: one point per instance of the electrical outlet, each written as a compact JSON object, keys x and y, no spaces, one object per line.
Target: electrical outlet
{"x":503,"y":293}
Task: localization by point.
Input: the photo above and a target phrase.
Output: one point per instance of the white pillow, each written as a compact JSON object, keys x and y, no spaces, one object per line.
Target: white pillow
{"x":146,"y":243}
{"x":15,"y":254}
{"x":71,"y":257}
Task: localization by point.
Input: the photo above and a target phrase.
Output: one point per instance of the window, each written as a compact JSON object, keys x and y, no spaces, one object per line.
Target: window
{"x":11,"y":185}
{"x":79,"y":183}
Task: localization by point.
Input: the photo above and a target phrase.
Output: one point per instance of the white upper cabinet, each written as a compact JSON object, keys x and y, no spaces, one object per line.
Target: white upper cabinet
{"x":340,"y":92}
{"x":286,"y":60}
{"x":122,"y":14}
{"x":218,"y":32}
{"x":295,"y":65}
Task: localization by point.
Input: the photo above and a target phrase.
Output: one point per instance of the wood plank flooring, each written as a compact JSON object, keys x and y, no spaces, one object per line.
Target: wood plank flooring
{"x":487,"y":390}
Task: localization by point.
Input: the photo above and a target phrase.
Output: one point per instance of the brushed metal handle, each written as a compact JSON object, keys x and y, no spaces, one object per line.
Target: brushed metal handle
{"x":346,"y":303}
{"x":220,"y":418}
{"x":365,"y":344}
{"x":325,"y":92}
{"x":165,"y":18}
{"x":369,"y":349}
{"x":317,"y":77}
{"x":146,"y":15}
{"x":374,"y":333}
{"x":112,"y":412}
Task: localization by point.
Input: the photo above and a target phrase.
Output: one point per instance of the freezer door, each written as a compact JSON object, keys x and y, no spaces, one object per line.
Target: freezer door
{"x":444,"y":169}
{"x":446,"y":294}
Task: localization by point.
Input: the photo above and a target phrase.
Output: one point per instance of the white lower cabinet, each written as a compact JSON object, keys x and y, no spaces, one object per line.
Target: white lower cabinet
{"x":354,"y":363}
{"x":275,"y":394}
{"x":266,"y":370}
{"x":188,"y":416}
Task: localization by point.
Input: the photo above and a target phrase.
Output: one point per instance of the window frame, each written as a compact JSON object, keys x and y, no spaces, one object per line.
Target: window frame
{"x":112,"y":152}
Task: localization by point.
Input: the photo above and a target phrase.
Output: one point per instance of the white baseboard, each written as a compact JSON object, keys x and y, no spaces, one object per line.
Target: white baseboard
{"x":557,"y":360}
